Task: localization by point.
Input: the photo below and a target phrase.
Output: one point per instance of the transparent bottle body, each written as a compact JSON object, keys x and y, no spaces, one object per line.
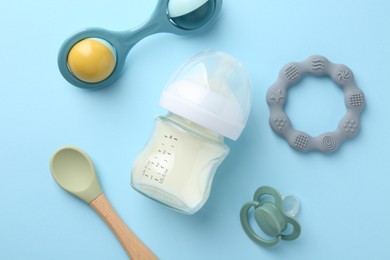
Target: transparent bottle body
{"x":177,"y":165}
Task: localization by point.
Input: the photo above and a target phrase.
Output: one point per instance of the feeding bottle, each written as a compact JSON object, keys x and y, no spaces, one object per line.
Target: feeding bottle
{"x":208,"y":98}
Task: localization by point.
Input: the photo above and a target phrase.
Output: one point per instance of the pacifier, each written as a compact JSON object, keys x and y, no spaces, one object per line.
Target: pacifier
{"x":273,"y":214}
{"x":94,"y":58}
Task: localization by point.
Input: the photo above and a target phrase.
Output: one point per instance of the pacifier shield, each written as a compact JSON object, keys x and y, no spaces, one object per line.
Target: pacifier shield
{"x":269,"y":219}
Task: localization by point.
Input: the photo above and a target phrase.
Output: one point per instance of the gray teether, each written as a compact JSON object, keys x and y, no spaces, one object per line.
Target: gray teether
{"x":318,"y":66}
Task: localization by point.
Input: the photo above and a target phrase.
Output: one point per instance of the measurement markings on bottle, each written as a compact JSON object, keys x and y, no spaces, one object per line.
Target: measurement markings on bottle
{"x":158,"y":166}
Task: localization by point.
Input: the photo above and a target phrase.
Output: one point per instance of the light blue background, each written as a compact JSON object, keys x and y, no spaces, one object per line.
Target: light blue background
{"x":345,"y":196}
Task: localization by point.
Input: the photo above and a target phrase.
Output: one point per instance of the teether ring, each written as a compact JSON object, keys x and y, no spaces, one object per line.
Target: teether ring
{"x":270,"y":217}
{"x":353,"y":97}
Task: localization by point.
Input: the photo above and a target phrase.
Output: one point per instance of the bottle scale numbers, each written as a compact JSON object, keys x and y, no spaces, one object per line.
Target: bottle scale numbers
{"x":158,"y":166}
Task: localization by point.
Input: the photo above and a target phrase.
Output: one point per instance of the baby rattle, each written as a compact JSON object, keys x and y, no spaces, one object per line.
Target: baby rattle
{"x":94,"y":58}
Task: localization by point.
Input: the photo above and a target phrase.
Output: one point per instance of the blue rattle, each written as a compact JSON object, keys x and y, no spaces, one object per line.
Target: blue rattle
{"x":94,"y":58}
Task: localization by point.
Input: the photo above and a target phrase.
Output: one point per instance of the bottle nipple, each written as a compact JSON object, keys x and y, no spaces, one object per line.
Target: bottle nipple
{"x":212,"y":89}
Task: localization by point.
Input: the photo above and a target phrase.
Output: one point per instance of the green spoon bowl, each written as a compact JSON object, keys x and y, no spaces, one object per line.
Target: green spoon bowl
{"x":73,"y":170}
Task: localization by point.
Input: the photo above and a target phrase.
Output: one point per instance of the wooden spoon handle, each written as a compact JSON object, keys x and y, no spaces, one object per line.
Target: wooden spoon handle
{"x":130,"y":242}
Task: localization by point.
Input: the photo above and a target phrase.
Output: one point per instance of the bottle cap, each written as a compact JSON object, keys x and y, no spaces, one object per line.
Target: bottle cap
{"x":213,"y":90}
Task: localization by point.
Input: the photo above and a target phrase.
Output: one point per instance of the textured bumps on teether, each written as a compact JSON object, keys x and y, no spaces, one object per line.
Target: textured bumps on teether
{"x":318,"y":66}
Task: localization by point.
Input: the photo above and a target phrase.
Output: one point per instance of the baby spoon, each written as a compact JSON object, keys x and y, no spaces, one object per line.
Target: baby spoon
{"x":94,"y":58}
{"x":73,"y":170}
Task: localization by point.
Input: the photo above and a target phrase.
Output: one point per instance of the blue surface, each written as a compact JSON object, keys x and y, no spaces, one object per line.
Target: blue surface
{"x":345,"y":196}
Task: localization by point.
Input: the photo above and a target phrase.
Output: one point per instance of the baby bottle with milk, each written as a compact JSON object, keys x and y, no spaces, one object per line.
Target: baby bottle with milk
{"x":207,"y":99}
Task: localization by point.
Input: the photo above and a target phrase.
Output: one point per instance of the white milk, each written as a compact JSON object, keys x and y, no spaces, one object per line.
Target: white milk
{"x":178,"y":164}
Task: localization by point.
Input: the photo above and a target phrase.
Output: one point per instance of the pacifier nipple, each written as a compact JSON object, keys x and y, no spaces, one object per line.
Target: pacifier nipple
{"x":191,"y":14}
{"x":273,"y":215}
{"x":291,"y":205}
{"x":92,"y":60}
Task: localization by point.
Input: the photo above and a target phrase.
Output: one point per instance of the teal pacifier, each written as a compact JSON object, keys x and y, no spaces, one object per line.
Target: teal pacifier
{"x":273,"y":214}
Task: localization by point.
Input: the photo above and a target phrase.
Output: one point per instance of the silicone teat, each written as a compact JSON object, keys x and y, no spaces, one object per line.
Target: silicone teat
{"x":190,"y":14}
{"x":211,"y":89}
{"x":92,"y":60}
{"x":270,"y":217}
{"x":291,"y":205}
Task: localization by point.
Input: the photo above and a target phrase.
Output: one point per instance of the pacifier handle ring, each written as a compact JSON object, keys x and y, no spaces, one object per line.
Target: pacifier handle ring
{"x":249,"y":231}
{"x":296,"y":229}
{"x":266,"y":190}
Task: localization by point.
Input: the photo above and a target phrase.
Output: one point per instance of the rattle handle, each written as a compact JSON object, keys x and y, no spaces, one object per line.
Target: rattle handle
{"x":130,"y":242}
